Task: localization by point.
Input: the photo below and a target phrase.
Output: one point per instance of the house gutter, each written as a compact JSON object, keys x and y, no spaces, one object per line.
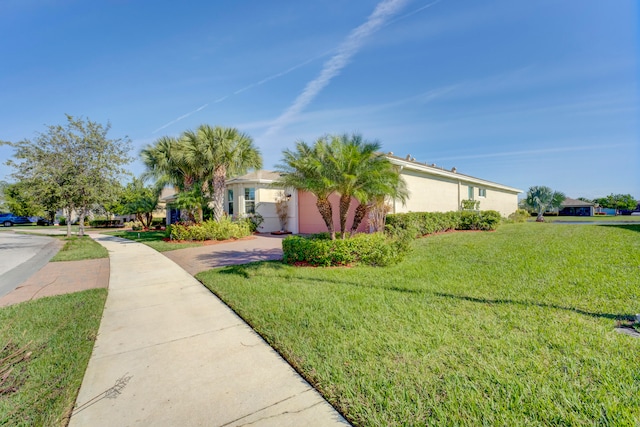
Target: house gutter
{"x":455,"y":176}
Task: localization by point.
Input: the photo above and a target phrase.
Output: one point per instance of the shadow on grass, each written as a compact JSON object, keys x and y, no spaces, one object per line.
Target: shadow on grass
{"x":245,"y":270}
{"x":629,"y":227}
{"x":538,"y":304}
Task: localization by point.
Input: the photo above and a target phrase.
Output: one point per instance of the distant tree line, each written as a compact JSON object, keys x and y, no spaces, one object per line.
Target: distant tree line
{"x":614,"y":201}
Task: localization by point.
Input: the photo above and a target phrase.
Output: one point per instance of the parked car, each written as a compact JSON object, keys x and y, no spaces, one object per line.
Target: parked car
{"x":9,"y":219}
{"x":43,"y":221}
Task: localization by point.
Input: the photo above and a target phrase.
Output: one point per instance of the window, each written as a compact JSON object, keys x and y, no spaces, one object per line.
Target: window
{"x":230,"y":202}
{"x":470,"y":193}
{"x":249,"y":200}
{"x":482,"y":192}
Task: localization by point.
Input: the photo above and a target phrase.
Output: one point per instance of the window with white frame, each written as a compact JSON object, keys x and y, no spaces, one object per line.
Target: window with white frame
{"x":230,"y":202}
{"x":249,"y":200}
{"x":482,"y":192}
{"x":470,"y":193}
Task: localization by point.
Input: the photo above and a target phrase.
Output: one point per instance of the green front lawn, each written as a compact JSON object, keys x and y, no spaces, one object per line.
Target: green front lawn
{"x":153,"y":239}
{"x":506,"y":328}
{"x":45,"y":346}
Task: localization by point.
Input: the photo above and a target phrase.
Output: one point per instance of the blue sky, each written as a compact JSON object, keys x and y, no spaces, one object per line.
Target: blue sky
{"x":518,"y":92}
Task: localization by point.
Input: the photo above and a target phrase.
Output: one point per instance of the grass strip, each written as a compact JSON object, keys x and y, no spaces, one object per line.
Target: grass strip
{"x":507,"y":328}
{"x":45,"y":346}
{"x":79,"y":248}
{"x":153,"y":239}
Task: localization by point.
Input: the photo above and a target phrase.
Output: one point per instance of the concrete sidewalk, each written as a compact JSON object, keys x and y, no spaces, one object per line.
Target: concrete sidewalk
{"x":170,"y":353}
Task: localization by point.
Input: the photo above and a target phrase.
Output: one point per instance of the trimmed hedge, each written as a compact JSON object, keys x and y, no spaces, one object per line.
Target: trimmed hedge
{"x":375,"y":249}
{"x":423,"y":223}
{"x":209,"y":230}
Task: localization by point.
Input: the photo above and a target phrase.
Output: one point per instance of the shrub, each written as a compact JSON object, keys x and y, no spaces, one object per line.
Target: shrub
{"x":209,"y":230}
{"x":520,"y":215}
{"x":371,"y":249}
{"x":489,"y":220}
{"x":423,"y":223}
{"x":134,"y":225}
{"x":254,"y":221}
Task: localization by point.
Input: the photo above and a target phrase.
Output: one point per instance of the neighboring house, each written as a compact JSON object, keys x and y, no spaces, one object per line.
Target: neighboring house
{"x":431,"y":189}
{"x":574,"y":207}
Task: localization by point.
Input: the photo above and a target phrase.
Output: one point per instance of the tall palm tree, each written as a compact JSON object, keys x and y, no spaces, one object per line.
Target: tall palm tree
{"x":166,"y":162}
{"x":218,"y":153}
{"x":541,"y":199}
{"x":379,"y":186}
{"x":305,"y":169}
{"x":361,"y":172}
{"x":200,"y":161}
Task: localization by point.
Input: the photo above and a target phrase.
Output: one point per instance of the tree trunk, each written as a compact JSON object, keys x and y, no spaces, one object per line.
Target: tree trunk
{"x":81,"y":223}
{"x":361,"y":212}
{"x":324,"y":207}
{"x":345,"y":203}
{"x":540,"y":217}
{"x":219,"y":183}
{"x":69,"y":210}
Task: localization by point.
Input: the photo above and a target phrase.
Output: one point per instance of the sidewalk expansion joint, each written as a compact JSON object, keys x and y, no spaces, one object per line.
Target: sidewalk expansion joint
{"x":168,"y":341}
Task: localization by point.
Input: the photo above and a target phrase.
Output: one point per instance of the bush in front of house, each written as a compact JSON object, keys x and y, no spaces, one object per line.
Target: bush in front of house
{"x":375,"y":249}
{"x":520,"y":215}
{"x":209,"y":230}
{"x":484,"y":220}
{"x":423,"y":223}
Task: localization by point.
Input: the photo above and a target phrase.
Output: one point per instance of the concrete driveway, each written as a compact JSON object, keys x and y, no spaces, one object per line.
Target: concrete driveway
{"x":21,"y":256}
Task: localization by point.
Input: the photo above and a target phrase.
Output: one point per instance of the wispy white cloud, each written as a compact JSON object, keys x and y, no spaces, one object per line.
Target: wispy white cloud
{"x":349,"y":47}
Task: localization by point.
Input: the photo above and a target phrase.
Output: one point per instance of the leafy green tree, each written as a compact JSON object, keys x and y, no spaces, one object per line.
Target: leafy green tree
{"x":140,"y":200}
{"x":541,"y":199}
{"x":73,"y":165}
{"x":304,"y":169}
{"x":20,"y":201}
{"x":617,"y":201}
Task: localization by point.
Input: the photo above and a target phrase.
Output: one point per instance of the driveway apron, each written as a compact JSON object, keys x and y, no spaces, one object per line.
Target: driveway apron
{"x":169,"y":353}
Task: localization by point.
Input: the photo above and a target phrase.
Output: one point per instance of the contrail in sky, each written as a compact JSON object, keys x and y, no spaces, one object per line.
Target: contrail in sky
{"x":376,"y":21}
{"x":349,"y":47}
{"x":538,"y":151}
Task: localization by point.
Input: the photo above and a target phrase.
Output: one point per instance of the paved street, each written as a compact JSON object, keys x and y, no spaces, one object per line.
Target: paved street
{"x":21,"y":256}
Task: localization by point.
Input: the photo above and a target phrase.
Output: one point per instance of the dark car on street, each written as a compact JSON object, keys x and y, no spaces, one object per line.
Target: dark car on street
{"x":9,"y":219}
{"x":43,"y":221}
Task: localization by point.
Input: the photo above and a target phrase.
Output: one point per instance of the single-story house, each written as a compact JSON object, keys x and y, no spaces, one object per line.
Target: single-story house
{"x":574,"y":207}
{"x":431,"y":189}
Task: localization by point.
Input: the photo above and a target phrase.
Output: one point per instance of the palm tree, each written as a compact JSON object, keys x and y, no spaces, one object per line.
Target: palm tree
{"x":200,"y":161}
{"x":361,"y":172}
{"x":218,"y":153}
{"x":379,"y":186}
{"x":305,"y":169}
{"x":541,"y":199}
{"x":166,"y":162}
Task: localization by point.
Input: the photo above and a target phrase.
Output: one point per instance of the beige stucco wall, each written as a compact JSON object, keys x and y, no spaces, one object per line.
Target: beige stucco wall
{"x":266,"y":197}
{"x":434,"y":193}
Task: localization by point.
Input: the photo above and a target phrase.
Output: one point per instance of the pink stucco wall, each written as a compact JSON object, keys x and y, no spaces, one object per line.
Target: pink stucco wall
{"x":310,"y":220}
